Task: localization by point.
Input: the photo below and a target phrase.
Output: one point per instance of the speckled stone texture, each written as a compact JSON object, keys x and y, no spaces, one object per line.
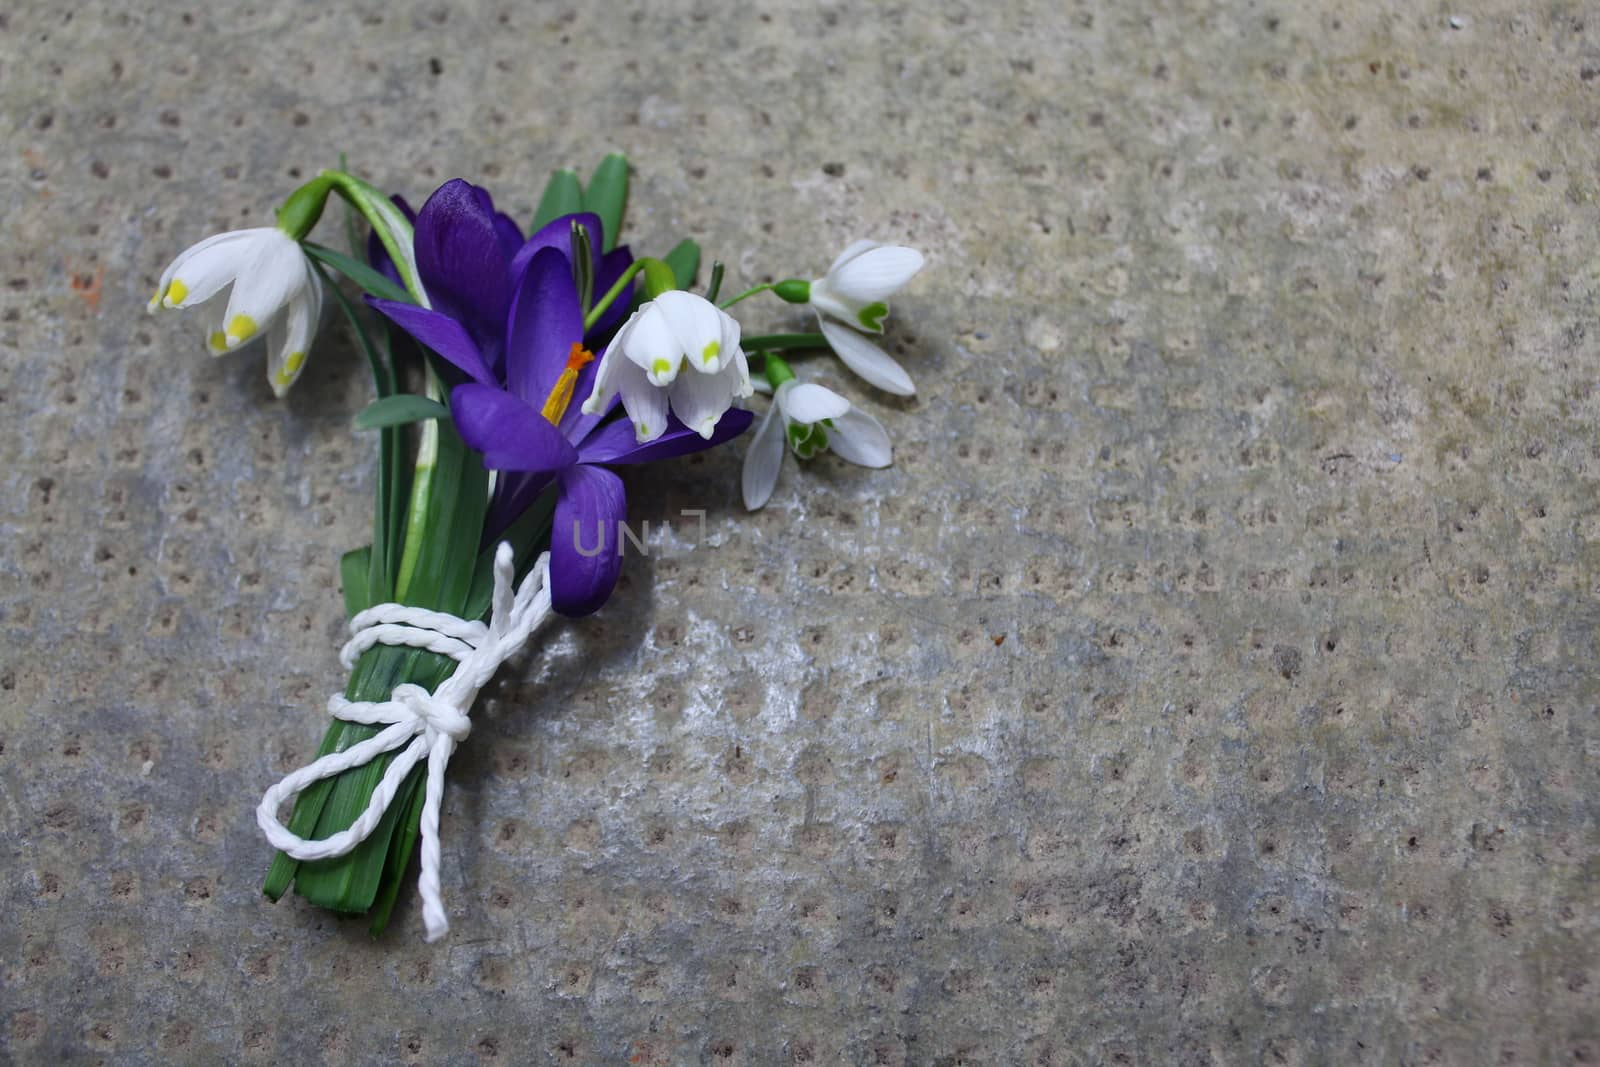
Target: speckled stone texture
{"x":1211,"y":680}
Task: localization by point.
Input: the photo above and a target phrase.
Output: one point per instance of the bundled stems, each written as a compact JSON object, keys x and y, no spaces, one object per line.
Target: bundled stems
{"x":425,"y":553}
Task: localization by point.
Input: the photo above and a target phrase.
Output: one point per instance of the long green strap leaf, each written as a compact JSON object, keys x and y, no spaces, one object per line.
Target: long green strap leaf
{"x":563,"y":195}
{"x":607,"y":195}
{"x":684,"y":259}
{"x":369,"y":279}
{"x":399,"y":410}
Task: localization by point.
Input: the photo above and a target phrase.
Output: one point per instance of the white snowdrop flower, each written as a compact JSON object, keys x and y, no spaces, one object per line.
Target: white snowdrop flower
{"x":851,"y":301}
{"x":812,"y":419}
{"x":679,"y":351}
{"x":275,"y":291}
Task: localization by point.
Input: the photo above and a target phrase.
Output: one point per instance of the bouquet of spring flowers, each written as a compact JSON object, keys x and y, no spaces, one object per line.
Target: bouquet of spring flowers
{"x":517,"y":378}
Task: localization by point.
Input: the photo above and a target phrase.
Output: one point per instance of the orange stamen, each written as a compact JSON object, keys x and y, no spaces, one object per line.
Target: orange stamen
{"x":560,"y":397}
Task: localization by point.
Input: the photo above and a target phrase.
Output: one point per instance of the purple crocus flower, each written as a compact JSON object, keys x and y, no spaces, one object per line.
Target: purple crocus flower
{"x":522,"y":414}
{"x":470,"y":258}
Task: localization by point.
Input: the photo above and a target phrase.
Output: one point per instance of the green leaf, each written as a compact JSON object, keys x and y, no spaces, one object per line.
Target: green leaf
{"x":607,"y":195}
{"x":448,"y":525}
{"x":563,"y":195}
{"x":370,"y":280}
{"x":394,"y":864}
{"x":354,"y":568}
{"x":684,"y":259}
{"x":398,"y":410}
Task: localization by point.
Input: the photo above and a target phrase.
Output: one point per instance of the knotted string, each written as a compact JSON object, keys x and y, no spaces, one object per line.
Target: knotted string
{"x":429,"y":725}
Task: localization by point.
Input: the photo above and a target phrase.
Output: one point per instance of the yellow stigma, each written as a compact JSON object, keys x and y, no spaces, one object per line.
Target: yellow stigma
{"x":711,"y":352}
{"x":175,"y":293}
{"x":218,"y":341}
{"x":240,"y":328}
{"x":555,"y":405}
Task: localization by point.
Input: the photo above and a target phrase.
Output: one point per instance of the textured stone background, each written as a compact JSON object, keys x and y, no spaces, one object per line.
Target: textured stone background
{"x":1212,"y":680}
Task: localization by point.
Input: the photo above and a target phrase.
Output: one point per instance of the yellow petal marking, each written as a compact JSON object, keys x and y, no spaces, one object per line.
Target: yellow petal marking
{"x":240,"y":328}
{"x":218,"y":341}
{"x":175,"y":293}
{"x":711,"y":352}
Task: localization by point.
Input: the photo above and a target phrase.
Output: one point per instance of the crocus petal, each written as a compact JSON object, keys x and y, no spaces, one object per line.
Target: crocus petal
{"x":557,"y":234}
{"x":813,"y":403}
{"x":859,"y":438}
{"x":874,"y":273}
{"x":614,"y":443}
{"x":203,"y":269}
{"x":652,"y":346}
{"x":544,"y":323}
{"x":700,"y":399}
{"x":585,"y":557}
{"x":439,"y":332}
{"x":697,"y":325}
{"x":462,"y":264}
{"x":867,"y":359}
{"x":854,"y":249}
{"x":762,"y":463}
{"x":511,"y":435}
{"x":510,"y":234}
{"x":274,"y":271}
{"x":289,"y":339}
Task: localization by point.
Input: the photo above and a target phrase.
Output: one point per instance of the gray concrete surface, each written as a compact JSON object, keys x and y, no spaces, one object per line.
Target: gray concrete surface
{"x":1212,"y":680}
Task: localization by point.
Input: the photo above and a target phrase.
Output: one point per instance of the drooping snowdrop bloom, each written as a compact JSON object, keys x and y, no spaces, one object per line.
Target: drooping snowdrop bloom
{"x":679,"y":351}
{"x":275,"y":292}
{"x":812,"y":419}
{"x":851,"y":300}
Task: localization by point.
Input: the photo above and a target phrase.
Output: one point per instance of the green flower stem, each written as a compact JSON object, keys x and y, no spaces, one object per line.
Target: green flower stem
{"x":303,"y":208}
{"x":611,"y":295}
{"x":659,"y":277}
{"x":768,"y":341}
{"x":726,"y":304}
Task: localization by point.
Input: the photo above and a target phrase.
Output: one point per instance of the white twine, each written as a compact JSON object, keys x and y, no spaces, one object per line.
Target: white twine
{"x":429,"y":725}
